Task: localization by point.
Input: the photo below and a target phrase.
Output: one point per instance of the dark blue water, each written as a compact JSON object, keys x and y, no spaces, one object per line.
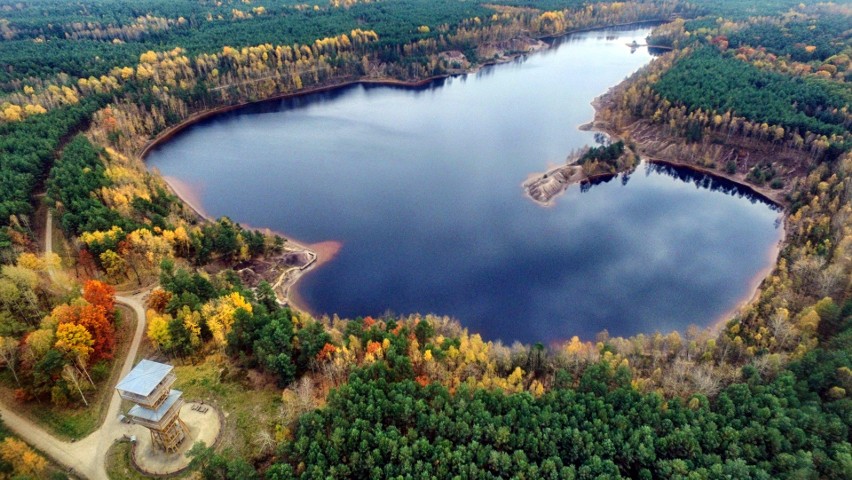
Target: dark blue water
{"x":422,"y":187}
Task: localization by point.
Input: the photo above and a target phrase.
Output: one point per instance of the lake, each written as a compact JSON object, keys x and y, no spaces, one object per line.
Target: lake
{"x":422,"y":187}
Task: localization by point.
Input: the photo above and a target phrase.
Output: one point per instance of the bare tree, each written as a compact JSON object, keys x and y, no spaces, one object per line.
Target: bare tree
{"x":305,"y":393}
{"x":705,"y":380}
{"x":9,"y":355}
{"x":336,"y":370}
{"x":831,"y":280}
{"x":501,"y":356}
{"x":782,"y":329}
{"x":769,"y":365}
{"x":676,"y":378}
{"x":72,"y":376}
{"x":807,"y":270}
{"x":264,"y":441}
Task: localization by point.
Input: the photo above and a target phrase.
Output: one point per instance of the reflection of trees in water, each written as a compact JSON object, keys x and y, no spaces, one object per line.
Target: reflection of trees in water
{"x":609,"y":33}
{"x":710,"y":182}
{"x":587,"y":184}
{"x":333,"y":94}
{"x":687,"y":175}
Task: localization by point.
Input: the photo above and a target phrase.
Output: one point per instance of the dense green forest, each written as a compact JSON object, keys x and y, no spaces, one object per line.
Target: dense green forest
{"x":385,"y":422}
{"x":738,"y":10}
{"x":756,"y":91}
{"x":381,"y":424}
{"x":711,"y":81}
{"x":73,"y":179}
{"x":827,"y":36}
{"x":52,"y":22}
{"x":27,"y":151}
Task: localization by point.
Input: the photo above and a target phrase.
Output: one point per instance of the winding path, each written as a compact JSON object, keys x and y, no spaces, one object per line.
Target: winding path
{"x":87,"y":457}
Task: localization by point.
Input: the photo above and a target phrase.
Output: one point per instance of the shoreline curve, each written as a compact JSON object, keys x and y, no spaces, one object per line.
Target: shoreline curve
{"x":197,"y":117}
{"x":288,"y":293}
{"x":754,"y":289}
{"x":323,"y":252}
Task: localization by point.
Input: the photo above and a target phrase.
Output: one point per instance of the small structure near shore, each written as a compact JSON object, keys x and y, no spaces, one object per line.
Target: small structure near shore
{"x":157,"y":407}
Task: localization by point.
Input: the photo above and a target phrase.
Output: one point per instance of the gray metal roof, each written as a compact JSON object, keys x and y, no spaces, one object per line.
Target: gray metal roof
{"x":155,"y":415}
{"x":144,"y":377}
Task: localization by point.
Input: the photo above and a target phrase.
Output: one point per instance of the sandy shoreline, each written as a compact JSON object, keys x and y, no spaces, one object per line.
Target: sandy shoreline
{"x":189,"y":195}
{"x":326,"y":252}
{"x":773,"y":197}
{"x":544,"y":188}
{"x":753,"y":291}
{"x":319,"y":253}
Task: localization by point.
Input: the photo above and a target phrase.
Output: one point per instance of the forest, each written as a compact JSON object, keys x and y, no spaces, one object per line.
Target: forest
{"x":803,"y":39}
{"x":597,"y":426}
{"x":712,"y":82}
{"x":756,"y":92}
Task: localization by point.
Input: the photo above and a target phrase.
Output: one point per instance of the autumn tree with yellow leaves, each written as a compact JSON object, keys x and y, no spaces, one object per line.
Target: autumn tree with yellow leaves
{"x":25,"y":462}
{"x":219,"y":315}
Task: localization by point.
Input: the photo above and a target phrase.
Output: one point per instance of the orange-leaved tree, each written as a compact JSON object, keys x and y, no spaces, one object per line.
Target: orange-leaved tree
{"x":100,"y":293}
{"x":94,"y":318}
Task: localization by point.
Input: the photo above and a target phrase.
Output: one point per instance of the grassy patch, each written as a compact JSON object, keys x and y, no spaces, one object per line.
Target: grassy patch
{"x":60,"y":246}
{"x":118,"y":462}
{"x":65,"y":423}
{"x":119,"y":466}
{"x":247,"y":409}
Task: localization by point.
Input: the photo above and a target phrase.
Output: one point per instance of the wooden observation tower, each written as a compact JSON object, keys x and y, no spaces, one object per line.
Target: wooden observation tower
{"x":157,"y":407}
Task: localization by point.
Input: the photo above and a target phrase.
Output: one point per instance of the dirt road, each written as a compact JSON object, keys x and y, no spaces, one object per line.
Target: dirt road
{"x":86,"y":457}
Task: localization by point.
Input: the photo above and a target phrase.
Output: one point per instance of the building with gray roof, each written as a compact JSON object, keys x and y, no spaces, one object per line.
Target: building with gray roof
{"x":157,"y":407}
